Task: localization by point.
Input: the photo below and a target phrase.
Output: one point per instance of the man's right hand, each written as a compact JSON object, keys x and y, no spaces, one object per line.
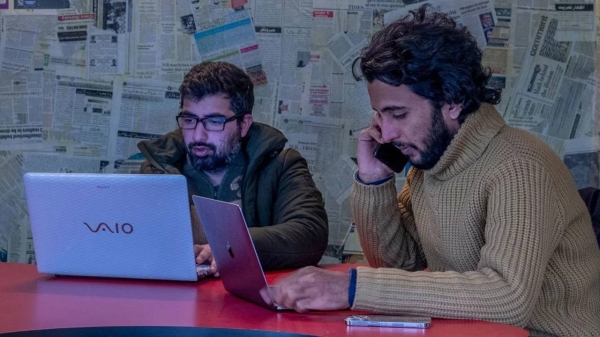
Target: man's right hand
{"x":370,"y":169}
{"x":204,"y":254}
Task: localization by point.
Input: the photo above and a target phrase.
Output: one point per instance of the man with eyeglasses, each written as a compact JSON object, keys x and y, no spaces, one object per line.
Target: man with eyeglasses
{"x":225,"y":156}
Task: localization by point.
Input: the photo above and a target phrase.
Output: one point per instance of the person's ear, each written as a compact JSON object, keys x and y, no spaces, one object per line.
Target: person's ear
{"x":451,"y":111}
{"x":245,"y":124}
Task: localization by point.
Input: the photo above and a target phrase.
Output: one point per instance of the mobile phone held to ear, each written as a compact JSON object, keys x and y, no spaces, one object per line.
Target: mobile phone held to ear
{"x":391,"y":157}
{"x":389,"y":321}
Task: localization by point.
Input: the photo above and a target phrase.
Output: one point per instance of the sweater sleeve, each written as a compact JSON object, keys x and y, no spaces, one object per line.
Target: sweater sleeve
{"x":386,"y":225}
{"x":524,"y":224}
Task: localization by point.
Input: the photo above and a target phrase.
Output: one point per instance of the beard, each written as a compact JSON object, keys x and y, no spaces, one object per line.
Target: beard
{"x":220,"y":159}
{"x":436,"y":142}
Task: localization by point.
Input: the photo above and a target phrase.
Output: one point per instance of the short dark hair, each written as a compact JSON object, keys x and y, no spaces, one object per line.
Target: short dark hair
{"x":219,"y":78}
{"x":435,"y":58}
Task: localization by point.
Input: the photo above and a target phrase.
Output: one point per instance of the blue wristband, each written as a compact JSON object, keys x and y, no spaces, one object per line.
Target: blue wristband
{"x":352,"y":287}
{"x":375,"y":183}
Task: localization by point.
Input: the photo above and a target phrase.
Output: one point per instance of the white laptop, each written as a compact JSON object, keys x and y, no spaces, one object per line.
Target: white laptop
{"x":111,"y":225}
{"x":233,"y":250}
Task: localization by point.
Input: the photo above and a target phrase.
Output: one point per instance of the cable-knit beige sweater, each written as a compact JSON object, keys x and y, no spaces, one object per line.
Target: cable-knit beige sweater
{"x":499,"y":224}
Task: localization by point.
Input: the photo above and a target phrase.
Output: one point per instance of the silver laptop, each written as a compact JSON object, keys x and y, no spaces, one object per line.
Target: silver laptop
{"x":111,"y":225}
{"x":233,"y":250}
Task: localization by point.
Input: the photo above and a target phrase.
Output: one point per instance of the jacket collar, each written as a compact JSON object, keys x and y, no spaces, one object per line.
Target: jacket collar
{"x":167,"y":152}
{"x":260,"y":142}
{"x":469,"y":143}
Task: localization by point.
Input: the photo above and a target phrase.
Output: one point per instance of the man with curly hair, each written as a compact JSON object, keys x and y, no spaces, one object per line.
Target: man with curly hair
{"x":489,"y":224}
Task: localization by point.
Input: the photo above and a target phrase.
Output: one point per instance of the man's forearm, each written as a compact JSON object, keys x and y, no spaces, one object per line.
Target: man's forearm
{"x":386,"y":236}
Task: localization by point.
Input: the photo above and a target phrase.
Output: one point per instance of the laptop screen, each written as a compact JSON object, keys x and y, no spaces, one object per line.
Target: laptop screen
{"x":233,"y":250}
{"x":111,"y":225}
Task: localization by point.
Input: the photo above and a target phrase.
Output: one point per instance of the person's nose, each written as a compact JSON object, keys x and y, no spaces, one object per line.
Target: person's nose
{"x":389,"y":133}
{"x":200,"y":134}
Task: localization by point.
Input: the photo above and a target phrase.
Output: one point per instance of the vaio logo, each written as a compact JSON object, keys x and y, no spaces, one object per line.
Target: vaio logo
{"x":124,"y":228}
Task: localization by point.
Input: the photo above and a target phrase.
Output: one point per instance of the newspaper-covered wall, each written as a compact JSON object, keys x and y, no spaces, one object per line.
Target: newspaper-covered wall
{"x":552,"y":96}
{"x":83,"y":81}
{"x":146,"y":111}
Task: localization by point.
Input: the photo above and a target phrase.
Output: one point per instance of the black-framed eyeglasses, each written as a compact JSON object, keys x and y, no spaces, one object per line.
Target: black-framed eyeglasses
{"x":188,"y":122}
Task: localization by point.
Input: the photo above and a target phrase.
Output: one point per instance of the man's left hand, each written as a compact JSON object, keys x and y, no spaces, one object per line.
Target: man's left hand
{"x":312,"y":288}
{"x":204,"y":254}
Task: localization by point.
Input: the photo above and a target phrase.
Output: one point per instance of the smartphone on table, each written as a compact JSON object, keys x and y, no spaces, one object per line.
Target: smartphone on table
{"x":385,"y":321}
{"x":391,"y":156}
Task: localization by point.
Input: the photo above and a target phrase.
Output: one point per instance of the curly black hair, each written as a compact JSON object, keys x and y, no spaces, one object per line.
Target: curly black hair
{"x":219,"y":78}
{"x":434,"y":57}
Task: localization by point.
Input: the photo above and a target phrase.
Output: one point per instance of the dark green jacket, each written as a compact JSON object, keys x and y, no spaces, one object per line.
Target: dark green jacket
{"x":281,"y":204}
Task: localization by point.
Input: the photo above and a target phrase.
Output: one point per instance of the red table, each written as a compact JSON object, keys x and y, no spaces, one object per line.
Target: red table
{"x":32,"y":301}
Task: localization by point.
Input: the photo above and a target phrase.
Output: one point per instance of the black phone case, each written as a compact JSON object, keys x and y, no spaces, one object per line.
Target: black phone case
{"x":391,"y":157}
